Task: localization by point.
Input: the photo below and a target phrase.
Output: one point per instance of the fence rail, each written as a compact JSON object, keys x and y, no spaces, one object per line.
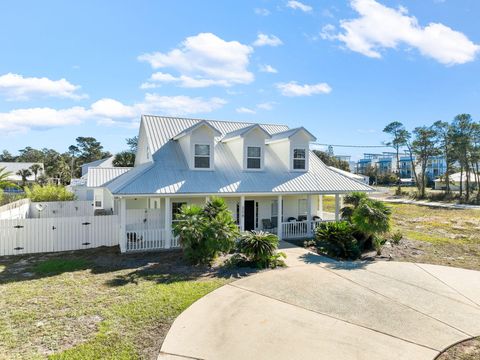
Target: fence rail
{"x":26,"y":236}
{"x":301,"y":229}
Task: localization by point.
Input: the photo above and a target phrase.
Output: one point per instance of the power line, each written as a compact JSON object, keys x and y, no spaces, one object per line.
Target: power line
{"x":354,"y":146}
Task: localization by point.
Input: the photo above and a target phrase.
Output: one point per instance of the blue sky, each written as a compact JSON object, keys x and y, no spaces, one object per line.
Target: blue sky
{"x":343,"y":69}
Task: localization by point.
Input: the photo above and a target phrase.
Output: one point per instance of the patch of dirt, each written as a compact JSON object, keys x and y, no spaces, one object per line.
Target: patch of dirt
{"x":467,"y":350}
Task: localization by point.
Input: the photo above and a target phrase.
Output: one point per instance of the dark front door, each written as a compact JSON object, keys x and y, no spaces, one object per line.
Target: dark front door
{"x":249,"y":215}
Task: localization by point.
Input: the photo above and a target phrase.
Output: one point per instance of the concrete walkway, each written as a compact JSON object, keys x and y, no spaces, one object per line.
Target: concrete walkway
{"x":322,"y":309}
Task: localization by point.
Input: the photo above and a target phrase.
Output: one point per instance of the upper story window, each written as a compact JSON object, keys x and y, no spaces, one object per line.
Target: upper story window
{"x":202,"y":156}
{"x":299,"y":159}
{"x":254,"y":157}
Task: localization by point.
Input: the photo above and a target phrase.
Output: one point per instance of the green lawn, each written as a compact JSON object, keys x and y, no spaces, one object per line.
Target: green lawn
{"x":438,"y":236}
{"x":95,"y":305}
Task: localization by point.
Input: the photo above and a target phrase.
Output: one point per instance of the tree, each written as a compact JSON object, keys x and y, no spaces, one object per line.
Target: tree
{"x":35,"y":169}
{"x":30,"y":154}
{"x":399,"y":139}
{"x":124,"y":159}
{"x":24,"y":174}
{"x":73,"y":151}
{"x":5,"y":156}
{"x":462,"y":138}
{"x":443,"y":132}
{"x":424,"y":147}
{"x":332,"y":160}
{"x":132,"y":143}
{"x":4,"y":175}
{"x":89,"y":150}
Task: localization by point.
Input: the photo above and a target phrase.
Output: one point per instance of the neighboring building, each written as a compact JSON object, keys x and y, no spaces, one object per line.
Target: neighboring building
{"x":94,"y":175}
{"x":14,"y":167}
{"x":104,"y":163}
{"x":266,"y":173}
{"x":455,"y":182}
{"x":357,"y":177}
{"x":384,"y":163}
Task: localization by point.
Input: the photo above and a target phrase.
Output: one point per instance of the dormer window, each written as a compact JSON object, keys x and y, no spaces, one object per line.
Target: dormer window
{"x":202,"y":156}
{"x":254,"y":157}
{"x":299,"y":159}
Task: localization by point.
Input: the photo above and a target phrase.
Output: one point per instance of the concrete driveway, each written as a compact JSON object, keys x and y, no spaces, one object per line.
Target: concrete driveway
{"x":321,"y":309}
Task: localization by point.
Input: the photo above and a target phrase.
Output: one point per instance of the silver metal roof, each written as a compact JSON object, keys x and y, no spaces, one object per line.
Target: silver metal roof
{"x":99,"y":176}
{"x":289,"y":133}
{"x":169,"y":174}
{"x":243,"y":131}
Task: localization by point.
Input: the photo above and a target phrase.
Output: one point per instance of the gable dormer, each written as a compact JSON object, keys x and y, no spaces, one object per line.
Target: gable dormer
{"x":292,"y":148}
{"x":248,"y":146}
{"x":197,"y":143}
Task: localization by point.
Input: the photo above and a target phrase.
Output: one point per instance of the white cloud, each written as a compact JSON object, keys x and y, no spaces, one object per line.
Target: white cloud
{"x":183,"y":81}
{"x":262,"y":11}
{"x":267,"y":40}
{"x":111,"y":108}
{"x":179,"y":105}
{"x":266,"y":105}
{"x":297,"y":5}
{"x":244,"y":110}
{"x":204,"y":60}
{"x":18,"y":87}
{"x":294,"y":89}
{"x":435,"y":40}
{"x":106,"y":112}
{"x":21,"y":120}
{"x":267,"y":68}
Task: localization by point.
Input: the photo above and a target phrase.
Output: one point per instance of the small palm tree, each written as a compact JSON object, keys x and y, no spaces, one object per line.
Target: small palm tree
{"x":4,"y":175}
{"x":35,"y":169}
{"x":24,"y":174}
{"x":124,"y":159}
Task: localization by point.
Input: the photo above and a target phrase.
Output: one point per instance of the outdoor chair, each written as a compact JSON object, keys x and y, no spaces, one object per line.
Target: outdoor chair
{"x":267,"y":225}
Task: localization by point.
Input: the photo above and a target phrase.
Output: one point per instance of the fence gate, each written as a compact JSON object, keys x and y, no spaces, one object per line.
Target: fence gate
{"x":25,"y":236}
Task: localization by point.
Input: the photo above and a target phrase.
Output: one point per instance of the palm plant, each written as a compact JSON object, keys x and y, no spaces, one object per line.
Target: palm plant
{"x":205,"y":232}
{"x":260,"y":247}
{"x":24,"y":174}
{"x":35,"y":169}
{"x":4,"y":175}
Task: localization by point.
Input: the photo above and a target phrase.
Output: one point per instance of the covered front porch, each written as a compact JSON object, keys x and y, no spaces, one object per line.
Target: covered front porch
{"x":146,"y":222}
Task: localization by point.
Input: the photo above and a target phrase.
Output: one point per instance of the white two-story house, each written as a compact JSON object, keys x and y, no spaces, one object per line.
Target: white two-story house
{"x":266,"y":173}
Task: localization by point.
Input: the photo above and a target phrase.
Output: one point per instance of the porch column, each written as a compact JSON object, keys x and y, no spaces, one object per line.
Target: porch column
{"x":337,"y":207}
{"x":279,"y":217}
{"x":168,"y":224}
{"x":123,"y":225}
{"x":309,"y":215}
{"x":320,"y":206}
{"x":242,"y":213}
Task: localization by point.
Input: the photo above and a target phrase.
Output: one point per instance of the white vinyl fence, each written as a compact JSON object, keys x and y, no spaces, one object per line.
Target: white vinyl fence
{"x":56,"y":209}
{"x":16,"y":210}
{"x":26,"y":236}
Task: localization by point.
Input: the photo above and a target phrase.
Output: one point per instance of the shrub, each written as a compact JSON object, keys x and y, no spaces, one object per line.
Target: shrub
{"x":40,"y":193}
{"x":260,"y":248}
{"x":205,"y":232}
{"x":378,"y":242}
{"x":397,"y":237}
{"x":337,"y":239}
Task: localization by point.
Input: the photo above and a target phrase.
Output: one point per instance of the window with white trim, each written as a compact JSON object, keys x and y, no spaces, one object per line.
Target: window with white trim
{"x":254,"y":157}
{"x":299,"y":159}
{"x":202,"y":156}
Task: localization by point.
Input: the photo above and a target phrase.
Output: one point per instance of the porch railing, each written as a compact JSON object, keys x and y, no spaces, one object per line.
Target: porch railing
{"x":300,"y":229}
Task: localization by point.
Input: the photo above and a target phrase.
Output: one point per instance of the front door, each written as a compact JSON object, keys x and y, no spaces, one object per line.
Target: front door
{"x":249,"y":215}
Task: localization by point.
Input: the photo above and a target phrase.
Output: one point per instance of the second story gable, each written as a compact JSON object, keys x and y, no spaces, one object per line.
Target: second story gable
{"x":212,"y":145}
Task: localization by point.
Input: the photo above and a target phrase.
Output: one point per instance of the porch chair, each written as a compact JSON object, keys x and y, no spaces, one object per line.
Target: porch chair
{"x":267,"y":225}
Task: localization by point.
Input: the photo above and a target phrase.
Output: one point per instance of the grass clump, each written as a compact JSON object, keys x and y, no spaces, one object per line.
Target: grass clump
{"x":58,"y":266}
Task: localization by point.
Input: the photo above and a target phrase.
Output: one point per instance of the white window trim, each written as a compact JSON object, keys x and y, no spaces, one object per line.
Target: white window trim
{"x":210,"y":147}
{"x":293,"y":159}
{"x":247,"y":157}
